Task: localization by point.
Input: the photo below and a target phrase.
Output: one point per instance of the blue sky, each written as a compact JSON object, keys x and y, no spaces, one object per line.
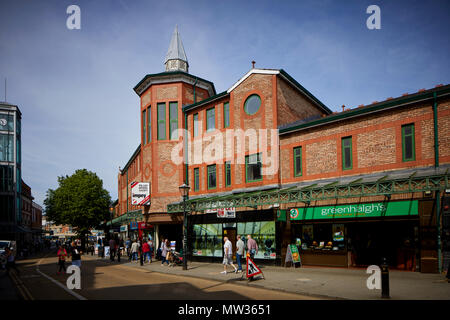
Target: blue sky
{"x":74,"y":87}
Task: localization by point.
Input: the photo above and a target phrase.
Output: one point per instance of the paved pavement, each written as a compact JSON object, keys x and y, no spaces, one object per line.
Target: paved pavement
{"x":335,"y":283}
{"x":105,"y":280}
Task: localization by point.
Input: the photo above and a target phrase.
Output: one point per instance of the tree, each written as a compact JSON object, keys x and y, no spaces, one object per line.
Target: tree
{"x":79,"y":201}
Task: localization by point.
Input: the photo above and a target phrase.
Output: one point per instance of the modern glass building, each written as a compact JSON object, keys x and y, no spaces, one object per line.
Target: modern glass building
{"x":10,"y":171}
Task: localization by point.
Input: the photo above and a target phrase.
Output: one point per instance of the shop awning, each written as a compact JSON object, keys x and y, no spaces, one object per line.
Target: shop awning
{"x":135,"y":215}
{"x":379,"y":184}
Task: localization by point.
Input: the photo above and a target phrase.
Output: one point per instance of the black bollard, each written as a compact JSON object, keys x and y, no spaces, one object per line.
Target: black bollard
{"x":385,"y":279}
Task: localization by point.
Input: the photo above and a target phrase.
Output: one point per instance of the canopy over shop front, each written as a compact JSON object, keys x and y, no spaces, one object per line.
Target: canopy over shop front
{"x":378,"y":184}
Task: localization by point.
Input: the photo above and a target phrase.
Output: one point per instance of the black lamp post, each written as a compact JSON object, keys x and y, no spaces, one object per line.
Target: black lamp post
{"x":184,"y":190}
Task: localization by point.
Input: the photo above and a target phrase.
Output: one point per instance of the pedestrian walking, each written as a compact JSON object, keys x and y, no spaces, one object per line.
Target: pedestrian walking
{"x":252,"y":249}
{"x":227,"y":255}
{"x":239,"y":252}
{"x":10,"y":260}
{"x":62,"y":254}
{"x":150,"y":245}
{"x":146,"y":251}
{"x":75,"y":253}
{"x":164,"y":251}
{"x":134,"y":251}
{"x":128,"y":248}
{"x":141,"y":255}
{"x":159,"y":251}
{"x":112,"y":249}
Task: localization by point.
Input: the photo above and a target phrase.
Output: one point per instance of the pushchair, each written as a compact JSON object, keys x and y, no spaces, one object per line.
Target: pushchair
{"x":175,"y":259}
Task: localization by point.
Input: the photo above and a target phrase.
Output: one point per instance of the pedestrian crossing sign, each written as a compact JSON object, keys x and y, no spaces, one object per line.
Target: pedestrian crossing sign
{"x":252,"y":268}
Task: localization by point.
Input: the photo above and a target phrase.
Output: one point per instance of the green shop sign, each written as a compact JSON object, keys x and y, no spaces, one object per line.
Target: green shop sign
{"x":364,"y":210}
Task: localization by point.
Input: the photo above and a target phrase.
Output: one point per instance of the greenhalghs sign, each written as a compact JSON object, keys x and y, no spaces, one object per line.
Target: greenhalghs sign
{"x":363,"y":210}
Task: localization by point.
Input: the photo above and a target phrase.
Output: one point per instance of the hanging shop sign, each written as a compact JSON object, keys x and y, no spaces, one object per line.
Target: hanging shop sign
{"x":223,"y":212}
{"x":133,"y":225}
{"x":140,"y":193}
{"x":364,"y":210}
{"x":124,"y":228}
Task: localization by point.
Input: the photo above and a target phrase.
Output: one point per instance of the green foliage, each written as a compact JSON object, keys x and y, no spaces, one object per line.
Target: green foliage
{"x":79,"y":201}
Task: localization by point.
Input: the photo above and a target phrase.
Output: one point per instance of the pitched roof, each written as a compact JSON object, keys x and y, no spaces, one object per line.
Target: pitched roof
{"x":176,"y":49}
{"x":421,"y":95}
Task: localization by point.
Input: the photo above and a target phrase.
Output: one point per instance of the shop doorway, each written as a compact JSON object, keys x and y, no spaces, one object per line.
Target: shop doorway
{"x":231,"y":234}
{"x":172,"y":232}
{"x":397,"y":241}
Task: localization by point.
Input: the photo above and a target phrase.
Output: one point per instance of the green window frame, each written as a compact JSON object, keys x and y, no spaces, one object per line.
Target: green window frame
{"x":297,"y":161}
{"x":211,"y":119}
{"x":173,"y":116}
{"x":252,"y":166}
{"x":252,"y":104}
{"x":149,"y":124}
{"x":347,"y":158}
{"x":227,"y":173}
{"x":196,"y":179}
{"x":211,"y":176}
{"x":226,"y":114}
{"x":161,"y":121}
{"x":144,"y":126}
{"x":408,"y":142}
{"x":196,"y":123}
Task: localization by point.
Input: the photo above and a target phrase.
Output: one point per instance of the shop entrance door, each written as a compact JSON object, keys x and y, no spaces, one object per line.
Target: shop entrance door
{"x":231,"y":234}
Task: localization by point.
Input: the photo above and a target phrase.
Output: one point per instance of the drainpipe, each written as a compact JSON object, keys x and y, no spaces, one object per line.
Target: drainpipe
{"x":186,"y":142}
{"x":438,"y":218}
{"x":436,"y":139}
{"x":438,"y":193}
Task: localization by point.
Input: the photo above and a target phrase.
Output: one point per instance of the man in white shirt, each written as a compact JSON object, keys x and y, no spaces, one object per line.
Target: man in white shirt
{"x":227,"y":255}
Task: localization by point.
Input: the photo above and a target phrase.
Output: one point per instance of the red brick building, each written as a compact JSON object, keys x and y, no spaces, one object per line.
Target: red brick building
{"x":348,"y":188}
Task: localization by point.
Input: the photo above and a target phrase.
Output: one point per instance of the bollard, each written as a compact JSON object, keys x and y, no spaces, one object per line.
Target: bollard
{"x":385,"y":279}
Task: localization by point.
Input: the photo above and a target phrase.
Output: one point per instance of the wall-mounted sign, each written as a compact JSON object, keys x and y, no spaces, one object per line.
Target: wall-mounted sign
{"x":223,"y":212}
{"x":363,"y":210}
{"x":140,"y":193}
{"x":133,"y":225}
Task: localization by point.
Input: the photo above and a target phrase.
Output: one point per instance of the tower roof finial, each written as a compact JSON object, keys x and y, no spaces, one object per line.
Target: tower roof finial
{"x":176,"y":56}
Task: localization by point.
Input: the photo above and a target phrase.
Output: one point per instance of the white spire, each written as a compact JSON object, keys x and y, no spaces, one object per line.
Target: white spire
{"x":176,"y":57}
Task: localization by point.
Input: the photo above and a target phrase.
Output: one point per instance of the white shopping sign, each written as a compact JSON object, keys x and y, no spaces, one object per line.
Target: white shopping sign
{"x":140,"y":193}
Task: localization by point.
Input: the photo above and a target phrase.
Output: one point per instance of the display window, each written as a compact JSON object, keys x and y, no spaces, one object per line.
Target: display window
{"x":320,"y":236}
{"x":263,"y":232}
{"x":207,"y":240}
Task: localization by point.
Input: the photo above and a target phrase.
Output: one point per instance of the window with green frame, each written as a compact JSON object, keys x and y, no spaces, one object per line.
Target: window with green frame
{"x":253,"y":168}
{"x":173,"y":116}
{"x":408,"y":142}
{"x":196,"y":179}
{"x":211,"y":174}
{"x":161,"y":121}
{"x":226,"y":114}
{"x":149,"y":124}
{"x":297,"y":161}
{"x":210,"y":119}
{"x":196,"y":125}
{"x":227,"y":173}
{"x":347,"y":161}
{"x":144,"y":126}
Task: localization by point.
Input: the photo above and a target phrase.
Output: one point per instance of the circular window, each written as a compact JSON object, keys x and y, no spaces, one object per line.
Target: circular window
{"x":252,"y":104}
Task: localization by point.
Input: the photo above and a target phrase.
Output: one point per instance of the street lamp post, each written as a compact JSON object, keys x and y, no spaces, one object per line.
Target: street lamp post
{"x":184,"y":190}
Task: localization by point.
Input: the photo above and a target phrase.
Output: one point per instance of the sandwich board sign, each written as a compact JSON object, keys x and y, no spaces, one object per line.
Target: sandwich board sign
{"x":292,"y":255}
{"x":252,"y":268}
